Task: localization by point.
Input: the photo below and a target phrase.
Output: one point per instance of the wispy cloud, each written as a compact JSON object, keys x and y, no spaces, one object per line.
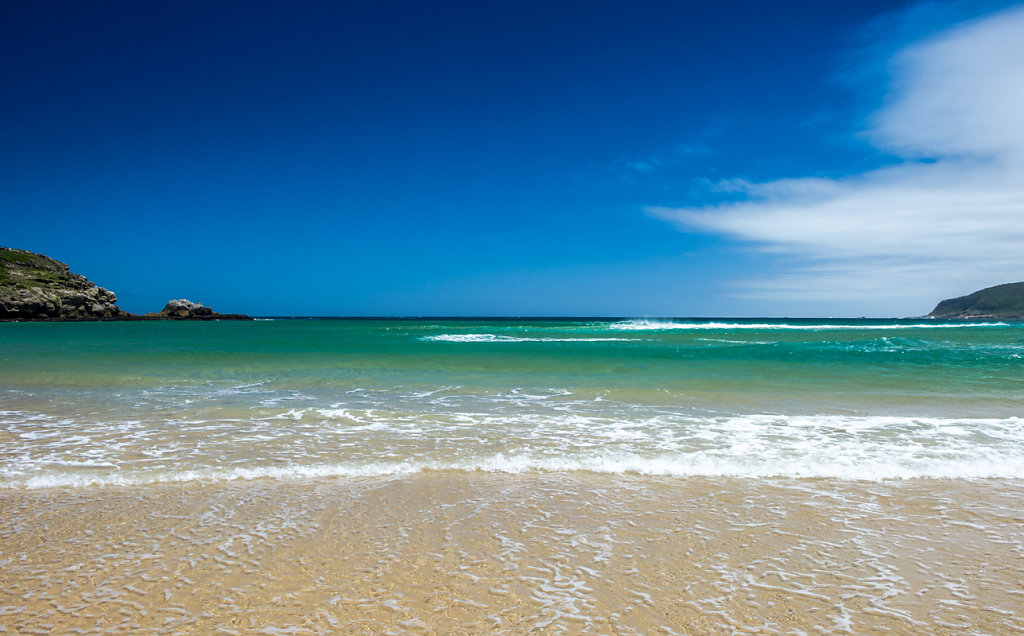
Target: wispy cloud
{"x":948,"y":217}
{"x":658,"y":168}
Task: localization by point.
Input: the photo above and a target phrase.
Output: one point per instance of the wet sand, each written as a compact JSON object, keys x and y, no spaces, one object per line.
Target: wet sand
{"x":475,"y":553}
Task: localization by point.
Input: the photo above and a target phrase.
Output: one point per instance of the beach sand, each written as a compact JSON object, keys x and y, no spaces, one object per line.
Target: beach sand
{"x":476,"y":552}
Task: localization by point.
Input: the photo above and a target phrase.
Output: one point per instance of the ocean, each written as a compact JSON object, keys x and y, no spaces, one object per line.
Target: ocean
{"x":512,"y":476}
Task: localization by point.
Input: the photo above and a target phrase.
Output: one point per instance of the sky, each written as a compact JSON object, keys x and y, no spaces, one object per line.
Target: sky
{"x":848,"y":158}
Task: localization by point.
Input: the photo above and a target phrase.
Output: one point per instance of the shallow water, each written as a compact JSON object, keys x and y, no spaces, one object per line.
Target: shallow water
{"x":512,"y":476}
{"x":134,"y":403}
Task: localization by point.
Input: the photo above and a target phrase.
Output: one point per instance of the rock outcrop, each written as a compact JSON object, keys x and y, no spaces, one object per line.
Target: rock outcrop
{"x":35,"y":287}
{"x":182,"y":309}
{"x":1003,"y":302}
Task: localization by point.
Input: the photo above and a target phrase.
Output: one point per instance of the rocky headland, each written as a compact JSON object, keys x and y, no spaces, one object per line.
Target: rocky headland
{"x":1002,"y":302}
{"x":36,"y":287}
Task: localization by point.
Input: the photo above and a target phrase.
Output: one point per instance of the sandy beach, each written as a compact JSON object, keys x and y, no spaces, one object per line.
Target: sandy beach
{"x":488,"y":553}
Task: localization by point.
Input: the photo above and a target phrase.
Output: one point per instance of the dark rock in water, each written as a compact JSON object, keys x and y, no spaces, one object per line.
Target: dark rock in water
{"x":1005,"y":302}
{"x":35,"y":287}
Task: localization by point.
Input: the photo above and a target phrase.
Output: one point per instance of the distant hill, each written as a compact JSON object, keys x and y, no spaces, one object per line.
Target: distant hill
{"x":1001,"y":301}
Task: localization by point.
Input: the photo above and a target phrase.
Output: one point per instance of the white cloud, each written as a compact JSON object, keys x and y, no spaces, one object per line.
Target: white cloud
{"x":947,"y":219}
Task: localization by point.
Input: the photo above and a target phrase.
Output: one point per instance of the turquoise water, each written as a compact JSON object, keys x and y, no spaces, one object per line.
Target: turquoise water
{"x":137,"y":402}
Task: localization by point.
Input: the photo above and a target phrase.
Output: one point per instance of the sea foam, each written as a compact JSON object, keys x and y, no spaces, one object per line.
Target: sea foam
{"x":490,"y":337}
{"x":360,"y":442}
{"x":680,"y":466}
{"x":664,"y":325}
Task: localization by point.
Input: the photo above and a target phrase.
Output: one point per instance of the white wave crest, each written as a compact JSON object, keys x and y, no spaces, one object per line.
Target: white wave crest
{"x":664,"y":325}
{"x":523,"y":432}
{"x":667,"y":465}
{"x":490,"y":337}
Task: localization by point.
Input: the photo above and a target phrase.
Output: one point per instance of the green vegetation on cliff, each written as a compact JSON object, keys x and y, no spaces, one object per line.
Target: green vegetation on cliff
{"x":1001,"y":301}
{"x":36,"y":287}
{"x":25,"y":269}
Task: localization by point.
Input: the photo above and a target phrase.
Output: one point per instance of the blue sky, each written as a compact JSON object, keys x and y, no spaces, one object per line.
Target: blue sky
{"x":517,"y":158}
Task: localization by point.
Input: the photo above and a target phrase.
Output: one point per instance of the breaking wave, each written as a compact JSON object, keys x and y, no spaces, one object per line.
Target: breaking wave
{"x":490,"y":337}
{"x":352,"y":443}
{"x":664,"y":325}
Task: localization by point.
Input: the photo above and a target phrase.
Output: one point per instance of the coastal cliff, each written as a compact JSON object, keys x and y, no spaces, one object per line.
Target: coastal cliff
{"x":1002,"y":302}
{"x":37,"y":287}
